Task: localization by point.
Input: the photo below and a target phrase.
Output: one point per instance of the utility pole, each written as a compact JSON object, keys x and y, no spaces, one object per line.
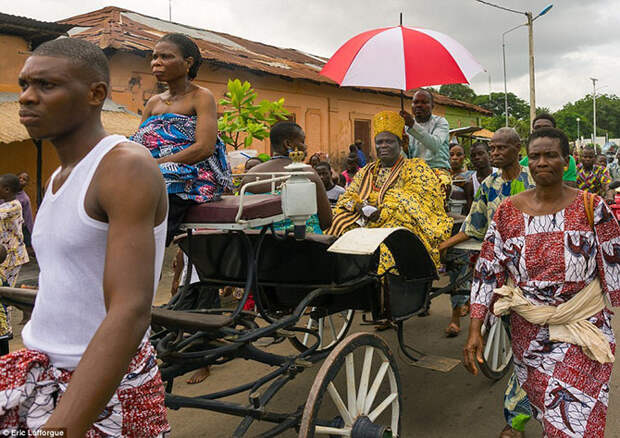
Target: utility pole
{"x":530,"y":29}
{"x":530,"y":26}
{"x":594,"y":109}
{"x":169,"y":10}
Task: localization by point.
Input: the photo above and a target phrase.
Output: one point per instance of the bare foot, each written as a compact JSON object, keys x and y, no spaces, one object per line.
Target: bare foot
{"x":199,"y":376}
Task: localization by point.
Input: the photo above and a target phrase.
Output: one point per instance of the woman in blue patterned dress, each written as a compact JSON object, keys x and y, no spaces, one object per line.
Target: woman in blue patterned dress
{"x":179,"y":127}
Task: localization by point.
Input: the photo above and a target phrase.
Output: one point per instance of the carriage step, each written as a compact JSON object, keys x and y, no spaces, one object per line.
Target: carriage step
{"x":190,"y":321}
{"x":435,"y":363}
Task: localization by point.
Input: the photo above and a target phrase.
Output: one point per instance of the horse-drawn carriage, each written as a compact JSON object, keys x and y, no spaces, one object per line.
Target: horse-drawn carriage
{"x":307,"y":289}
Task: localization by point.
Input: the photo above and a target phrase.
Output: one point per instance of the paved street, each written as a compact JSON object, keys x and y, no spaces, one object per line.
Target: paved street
{"x":436,"y":405}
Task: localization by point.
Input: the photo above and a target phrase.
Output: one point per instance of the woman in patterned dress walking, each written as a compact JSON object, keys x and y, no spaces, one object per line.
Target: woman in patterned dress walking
{"x":551,"y":259}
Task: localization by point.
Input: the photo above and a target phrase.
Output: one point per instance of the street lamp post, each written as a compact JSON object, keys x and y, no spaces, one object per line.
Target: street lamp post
{"x":594,"y":109}
{"x":504,"y":58}
{"x":578,"y":137}
{"x":530,"y":25}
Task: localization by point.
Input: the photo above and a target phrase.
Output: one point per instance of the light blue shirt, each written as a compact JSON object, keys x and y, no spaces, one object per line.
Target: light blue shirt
{"x":430,"y":141}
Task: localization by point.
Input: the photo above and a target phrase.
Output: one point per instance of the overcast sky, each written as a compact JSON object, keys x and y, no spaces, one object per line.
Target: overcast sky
{"x":576,"y":40}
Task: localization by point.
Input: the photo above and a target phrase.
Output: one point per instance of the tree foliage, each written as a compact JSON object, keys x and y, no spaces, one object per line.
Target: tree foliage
{"x":243,"y":121}
{"x":517,"y":107}
{"x":607,"y":112}
{"x":607,"y":116}
{"x":458,"y":91}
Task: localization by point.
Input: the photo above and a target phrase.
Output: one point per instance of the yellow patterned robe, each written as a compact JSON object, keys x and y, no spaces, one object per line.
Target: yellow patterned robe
{"x":409,"y":195}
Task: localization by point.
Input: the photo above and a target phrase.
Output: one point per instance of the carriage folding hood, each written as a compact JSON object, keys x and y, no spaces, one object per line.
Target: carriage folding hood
{"x":299,"y":198}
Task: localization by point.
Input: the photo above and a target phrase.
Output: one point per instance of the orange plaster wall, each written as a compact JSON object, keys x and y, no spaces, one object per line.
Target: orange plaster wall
{"x":13,"y":53}
{"x":21,"y":156}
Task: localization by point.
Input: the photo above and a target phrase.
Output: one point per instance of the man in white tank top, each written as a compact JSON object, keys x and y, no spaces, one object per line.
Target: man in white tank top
{"x":99,"y":238}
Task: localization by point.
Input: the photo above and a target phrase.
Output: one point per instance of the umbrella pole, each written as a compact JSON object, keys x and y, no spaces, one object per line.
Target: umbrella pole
{"x":402,"y":96}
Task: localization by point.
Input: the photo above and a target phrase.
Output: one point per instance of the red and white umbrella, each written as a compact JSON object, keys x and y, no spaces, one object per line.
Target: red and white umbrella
{"x":401,"y":58}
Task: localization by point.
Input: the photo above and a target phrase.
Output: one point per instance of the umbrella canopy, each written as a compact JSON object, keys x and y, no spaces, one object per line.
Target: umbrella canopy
{"x":401,"y":58}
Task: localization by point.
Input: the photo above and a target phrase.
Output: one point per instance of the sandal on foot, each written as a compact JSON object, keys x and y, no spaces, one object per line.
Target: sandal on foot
{"x":452,"y":330}
{"x":509,"y":432}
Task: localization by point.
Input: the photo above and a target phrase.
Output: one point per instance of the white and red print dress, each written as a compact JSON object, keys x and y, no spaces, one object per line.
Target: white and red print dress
{"x":551,"y":258}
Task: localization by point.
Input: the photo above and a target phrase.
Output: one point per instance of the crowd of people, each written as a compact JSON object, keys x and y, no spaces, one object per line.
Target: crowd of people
{"x":550,"y":255}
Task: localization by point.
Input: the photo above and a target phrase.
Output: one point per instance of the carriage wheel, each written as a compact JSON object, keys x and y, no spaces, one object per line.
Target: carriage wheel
{"x":368,"y":406}
{"x":332,"y":329}
{"x":497,"y":350}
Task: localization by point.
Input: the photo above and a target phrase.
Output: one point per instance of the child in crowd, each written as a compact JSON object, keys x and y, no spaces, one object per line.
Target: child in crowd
{"x":333,"y":190}
{"x":601,"y":160}
{"x":351,"y":168}
{"x":12,"y":240}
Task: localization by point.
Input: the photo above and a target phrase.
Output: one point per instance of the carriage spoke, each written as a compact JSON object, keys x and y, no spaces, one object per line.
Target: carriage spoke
{"x":333,"y":392}
{"x":370,"y":398}
{"x":365,"y":378}
{"x":488,"y":346}
{"x":324,"y":430}
{"x":321,"y":322}
{"x":496,"y":346}
{"x":308,"y":326}
{"x":351,"y":398}
{"x":382,"y":406}
{"x":331,"y":326}
{"x":506,"y":347}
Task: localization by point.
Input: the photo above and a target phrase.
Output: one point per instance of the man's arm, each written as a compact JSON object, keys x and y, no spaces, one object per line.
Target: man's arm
{"x":475,"y":224}
{"x":434,"y":141}
{"x":206,"y":131}
{"x":127,"y":283}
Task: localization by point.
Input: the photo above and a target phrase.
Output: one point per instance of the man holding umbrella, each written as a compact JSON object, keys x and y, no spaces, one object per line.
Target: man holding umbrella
{"x":429,"y":137}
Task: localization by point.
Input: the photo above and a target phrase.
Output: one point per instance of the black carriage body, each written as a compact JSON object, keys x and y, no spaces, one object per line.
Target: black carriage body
{"x":287,"y":269}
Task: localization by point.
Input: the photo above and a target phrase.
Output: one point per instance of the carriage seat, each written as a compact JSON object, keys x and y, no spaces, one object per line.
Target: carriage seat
{"x":225,"y":210}
{"x":190,"y":321}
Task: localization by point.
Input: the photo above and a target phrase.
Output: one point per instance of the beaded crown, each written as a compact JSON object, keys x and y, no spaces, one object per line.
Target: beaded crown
{"x":389,"y":121}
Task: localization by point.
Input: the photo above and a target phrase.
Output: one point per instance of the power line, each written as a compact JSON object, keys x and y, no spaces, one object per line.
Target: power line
{"x":500,"y":7}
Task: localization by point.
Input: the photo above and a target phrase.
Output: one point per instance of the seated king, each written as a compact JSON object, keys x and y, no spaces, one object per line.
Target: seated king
{"x":394,"y":191}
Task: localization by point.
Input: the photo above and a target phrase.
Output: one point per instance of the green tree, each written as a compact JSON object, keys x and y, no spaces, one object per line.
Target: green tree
{"x":244,"y":120}
{"x":607,"y":116}
{"x":458,"y":91}
{"x":499,"y":121}
{"x":517,"y":107}
{"x":566,"y":120}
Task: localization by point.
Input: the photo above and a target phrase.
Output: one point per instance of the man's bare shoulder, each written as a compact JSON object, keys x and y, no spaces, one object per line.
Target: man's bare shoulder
{"x":130,"y":161}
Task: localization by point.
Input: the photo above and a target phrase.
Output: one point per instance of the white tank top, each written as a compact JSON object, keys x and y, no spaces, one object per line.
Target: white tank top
{"x":70,"y":248}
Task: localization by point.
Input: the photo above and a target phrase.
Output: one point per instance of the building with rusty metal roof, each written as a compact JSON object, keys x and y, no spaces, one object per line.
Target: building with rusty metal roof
{"x":332,"y":117}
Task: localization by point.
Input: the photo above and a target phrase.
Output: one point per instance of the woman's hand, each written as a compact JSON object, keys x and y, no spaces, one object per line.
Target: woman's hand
{"x":472,"y":352}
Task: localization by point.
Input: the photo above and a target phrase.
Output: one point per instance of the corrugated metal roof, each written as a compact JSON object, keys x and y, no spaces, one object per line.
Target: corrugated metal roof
{"x":32,"y":30}
{"x":116,"y":119}
{"x":120,"y":29}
